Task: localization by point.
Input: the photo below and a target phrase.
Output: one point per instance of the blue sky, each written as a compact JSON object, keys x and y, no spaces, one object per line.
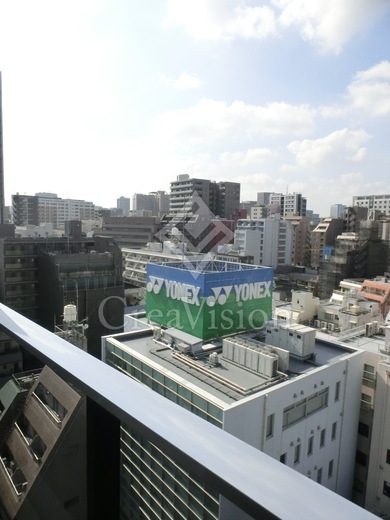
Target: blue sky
{"x":104,"y":98}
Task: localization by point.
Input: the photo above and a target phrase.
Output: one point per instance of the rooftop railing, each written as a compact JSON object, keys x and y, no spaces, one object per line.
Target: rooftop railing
{"x":259,"y":485}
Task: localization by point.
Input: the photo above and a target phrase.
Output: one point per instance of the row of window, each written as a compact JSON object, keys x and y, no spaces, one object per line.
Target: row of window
{"x":164,"y":385}
{"x":297,"y":454}
{"x":157,"y":485}
{"x":305,"y":407}
{"x":310,"y":445}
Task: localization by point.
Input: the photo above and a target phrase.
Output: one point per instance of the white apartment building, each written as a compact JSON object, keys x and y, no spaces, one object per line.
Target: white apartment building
{"x":57,"y":211}
{"x":288,"y":204}
{"x":268,"y":240}
{"x":280,"y":391}
{"x":358,"y":323}
{"x":374,"y":202}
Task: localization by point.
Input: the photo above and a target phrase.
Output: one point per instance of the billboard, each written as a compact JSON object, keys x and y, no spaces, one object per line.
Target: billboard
{"x":224,"y":298}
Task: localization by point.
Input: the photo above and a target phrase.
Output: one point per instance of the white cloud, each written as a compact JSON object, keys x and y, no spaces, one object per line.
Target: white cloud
{"x":187,"y":82}
{"x":252,"y":156}
{"x":211,"y":121}
{"x":330,"y":24}
{"x":369,"y":92}
{"x":221,"y":19}
{"x":342,"y":145}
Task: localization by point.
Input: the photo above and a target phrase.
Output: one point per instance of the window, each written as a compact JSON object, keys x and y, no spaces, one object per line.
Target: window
{"x":330,"y":468}
{"x":297,"y":454}
{"x":368,"y":372}
{"x":305,"y":407}
{"x":361,"y":458}
{"x":319,"y":475}
{"x":322,"y":438}
{"x":270,"y":426}
{"x":283,"y":458}
{"x":337,"y":391}
{"x":334,"y":430}
{"x":310,"y":445}
{"x":388,"y":457}
{"x":386,"y":488}
{"x":364,"y":429}
{"x":365,"y":401}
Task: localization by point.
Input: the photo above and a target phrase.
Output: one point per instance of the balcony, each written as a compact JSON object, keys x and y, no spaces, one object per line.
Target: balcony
{"x":257,"y":484}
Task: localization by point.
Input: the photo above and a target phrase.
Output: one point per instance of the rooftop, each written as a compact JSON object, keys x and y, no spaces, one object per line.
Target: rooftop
{"x":223,"y":378}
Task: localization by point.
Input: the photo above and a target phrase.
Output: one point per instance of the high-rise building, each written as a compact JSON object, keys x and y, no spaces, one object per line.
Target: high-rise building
{"x":157,"y":202}
{"x":1,"y":159}
{"x":288,"y":204}
{"x":123,"y":204}
{"x":260,"y":385}
{"x":25,"y":210}
{"x":222,"y":198}
{"x":301,"y":243}
{"x":324,"y":238}
{"x":373,"y":202}
{"x":50,"y":209}
{"x":268,"y":240}
{"x":337,"y":210}
{"x":253,"y":482}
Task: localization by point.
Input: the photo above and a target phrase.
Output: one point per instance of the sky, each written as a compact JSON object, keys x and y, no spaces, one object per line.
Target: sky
{"x":107,"y":98}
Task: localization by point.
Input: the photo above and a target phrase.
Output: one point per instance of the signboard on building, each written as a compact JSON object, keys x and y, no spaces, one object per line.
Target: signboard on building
{"x":219,"y":299}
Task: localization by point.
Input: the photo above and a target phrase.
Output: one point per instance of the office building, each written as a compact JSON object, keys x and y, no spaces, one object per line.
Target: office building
{"x":157,"y":202}
{"x":249,"y":478}
{"x":123,"y":204}
{"x":337,"y":210}
{"x":301,"y":241}
{"x":222,"y":198}
{"x":373,"y":202}
{"x":323,"y":239}
{"x":259,"y":384}
{"x":133,"y":232}
{"x":288,"y":204}
{"x":268,"y":240}
{"x":44,"y":208}
{"x":25,"y":210}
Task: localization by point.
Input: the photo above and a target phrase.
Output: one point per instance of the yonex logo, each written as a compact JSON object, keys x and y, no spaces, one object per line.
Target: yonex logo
{"x":190,"y":293}
{"x":154,"y":284}
{"x":220,"y":295}
{"x":175,"y":290}
{"x":243,"y":292}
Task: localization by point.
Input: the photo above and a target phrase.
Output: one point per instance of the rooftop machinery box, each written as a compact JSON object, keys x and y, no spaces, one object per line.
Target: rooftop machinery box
{"x":209,"y":300}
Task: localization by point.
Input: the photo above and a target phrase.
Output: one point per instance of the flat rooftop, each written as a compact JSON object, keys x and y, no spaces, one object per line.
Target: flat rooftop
{"x":226,"y":382}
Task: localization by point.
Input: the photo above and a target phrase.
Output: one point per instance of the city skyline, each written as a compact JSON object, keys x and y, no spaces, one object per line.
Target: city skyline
{"x":279,"y":96}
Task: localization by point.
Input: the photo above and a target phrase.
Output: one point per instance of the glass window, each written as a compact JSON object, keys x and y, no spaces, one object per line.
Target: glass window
{"x":361,"y":458}
{"x":364,"y":429}
{"x":334,"y":430}
{"x":337,"y":391}
{"x":322,"y":437}
{"x":386,"y":488}
{"x":297,"y":454}
{"x":368,"y":372}
{"x":283,"y":458}
{"x":319,"y":475}
{"x":270,"y":426}
{"x":330,"y":468}
{"x":310,"y":445}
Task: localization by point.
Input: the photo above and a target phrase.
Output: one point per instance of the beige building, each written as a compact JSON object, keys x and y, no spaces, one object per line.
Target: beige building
{"x":324,"y":235}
